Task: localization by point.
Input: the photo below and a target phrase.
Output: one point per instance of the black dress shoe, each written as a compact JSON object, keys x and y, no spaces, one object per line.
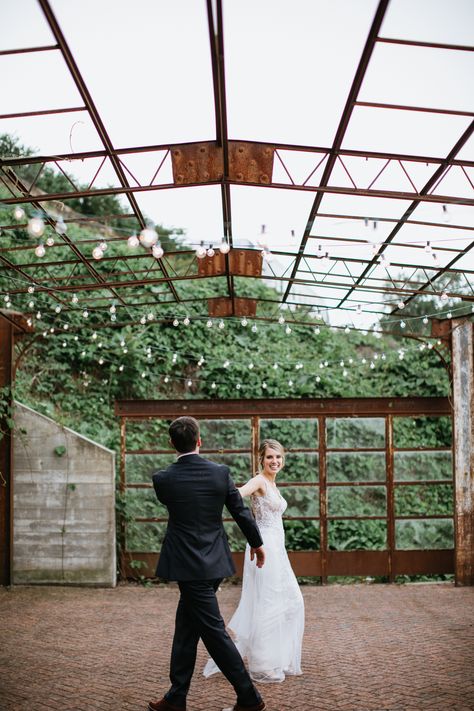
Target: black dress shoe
{"x":164,"y":705}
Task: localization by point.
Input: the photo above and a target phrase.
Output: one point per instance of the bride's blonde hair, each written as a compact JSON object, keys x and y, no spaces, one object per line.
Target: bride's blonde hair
{"x":269,"y":444}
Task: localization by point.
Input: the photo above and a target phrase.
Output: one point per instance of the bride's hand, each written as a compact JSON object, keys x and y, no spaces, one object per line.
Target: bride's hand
{"x":260,"y":555}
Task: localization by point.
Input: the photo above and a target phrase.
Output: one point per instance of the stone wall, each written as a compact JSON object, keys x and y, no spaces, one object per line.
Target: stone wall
{"x":63,"y":505}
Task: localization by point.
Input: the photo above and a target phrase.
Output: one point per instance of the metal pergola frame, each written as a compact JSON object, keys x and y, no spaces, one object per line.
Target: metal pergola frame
{"x":141,"y":270}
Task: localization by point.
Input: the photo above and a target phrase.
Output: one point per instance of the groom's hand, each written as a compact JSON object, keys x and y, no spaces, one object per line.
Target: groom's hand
{"x":260,"y":554}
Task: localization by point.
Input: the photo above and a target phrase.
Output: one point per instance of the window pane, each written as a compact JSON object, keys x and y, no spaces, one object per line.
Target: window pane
{"x":422,"y":431}
{"x":357,"y":501}
{"x":357,"y":535}
{"x":427,"y":499}
{"x":292,"y":434}
{"x":142,"y":503}
{"x":355,"y":432}
{"x":240,"y":465}
{"x":355,"y":466}
{"x":410,"y":466}
{"x":301,"y":500}
{"x":146,"y":537}
{"x":430,"y":534}
{"x":225,"y":434}
{"x":236,"y":538}
{"x":140,"y":467}
{"x":149,"y":433}
{"x":300,"y":466}
{"x":301,"y":535}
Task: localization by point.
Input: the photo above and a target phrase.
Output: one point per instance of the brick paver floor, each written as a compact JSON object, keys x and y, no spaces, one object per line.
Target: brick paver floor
{"x":366,"y":648}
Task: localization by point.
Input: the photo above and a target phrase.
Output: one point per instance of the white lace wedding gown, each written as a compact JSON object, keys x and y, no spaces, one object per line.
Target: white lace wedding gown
{"x":268,"y":624}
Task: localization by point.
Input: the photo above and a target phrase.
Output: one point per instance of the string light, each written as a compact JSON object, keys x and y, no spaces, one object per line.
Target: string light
{"x":444,"y":296}
{"x":244,"y":322}
{"x":221,"y":324}
{"x":97,"y":252}
{"x":210,"y":252}
{"x":18,"y":213}
{"x":35,"y":227}
{"x":201,"y":251}
{"x":103,"y":245}
{"x":186,"y":321}
{"x":209,"y":323}
{"x":40,"y":250}
{"x":157,"y":251}
{"x":148,"y":237}
{"x":175,"y":322}
{"x":133,"y":241}
{"x":254,"y":328}
{"x":50,"y":241}
{"x":288,"y":330}
{"x":224,"y":247}
{"x":281,"y":319}
{"x":31,"y":290}
{"x":74,"y":299}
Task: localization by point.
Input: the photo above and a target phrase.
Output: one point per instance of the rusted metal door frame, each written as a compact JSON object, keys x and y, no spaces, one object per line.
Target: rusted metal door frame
{"x":324,"y":562}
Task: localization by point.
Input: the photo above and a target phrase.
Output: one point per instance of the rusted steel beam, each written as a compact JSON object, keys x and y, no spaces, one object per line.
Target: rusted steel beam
{"x":402,"y":107}
{"x":6,"y":480}
{"x":431,"y":45}
{"x":463,"y":413}
{"x":418,"y":562}
{"x":423,"y":193}
{"x":357,"y":562}
{"x":340,"y":133}
{"x":310,"y":407}
{"x":83,"y":155}
{"x":45,"y":112}
{"x":95,"y":118}
{"x":27,"y":50}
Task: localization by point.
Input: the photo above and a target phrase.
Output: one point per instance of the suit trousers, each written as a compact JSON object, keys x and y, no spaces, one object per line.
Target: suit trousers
{"x":198,"y":616}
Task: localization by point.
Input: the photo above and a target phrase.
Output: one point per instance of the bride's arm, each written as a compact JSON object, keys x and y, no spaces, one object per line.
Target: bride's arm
{"x":255,"y":485}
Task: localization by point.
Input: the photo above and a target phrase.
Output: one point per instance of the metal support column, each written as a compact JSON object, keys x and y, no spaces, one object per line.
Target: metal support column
{"x":463,"y":406}
{"x":6,"y":484}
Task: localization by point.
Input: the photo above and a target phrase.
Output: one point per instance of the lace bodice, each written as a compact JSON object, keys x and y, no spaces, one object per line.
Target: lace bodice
{"x":268,"y":509}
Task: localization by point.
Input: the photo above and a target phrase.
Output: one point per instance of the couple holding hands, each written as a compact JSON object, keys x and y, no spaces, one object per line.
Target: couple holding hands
{"x":269,"y":621}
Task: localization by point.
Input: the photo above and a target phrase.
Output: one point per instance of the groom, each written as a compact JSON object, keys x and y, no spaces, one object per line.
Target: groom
{"x":195,"y":552}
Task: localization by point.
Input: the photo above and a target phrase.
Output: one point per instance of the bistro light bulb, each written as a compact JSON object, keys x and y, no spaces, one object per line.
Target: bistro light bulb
{"x":97,"y":252}
{"x":446,"y":215}
{"x":186,"y":321}
{"x":60,"y":226}
{"x":103,"y":245}
{"x":35,"y":227}
{"x":31,"y":290}
{"x":221,"y":324}
{"x":50,"y":241}
{"x":401,"y":304}
{"x":58,"y":309}
{"x":148,"y":237}
{"x":224,"y":247}
{"x":244,"y":322}
{"x":133,"y":241}
{"x":428,"y":248}
{"x":175,"y":322}
{"x":281,"y":319}
{"x":189,"y":383}
{"x":201,"y":251}
{"x":113,"y":309}
{"x":444,"y":296}
{"x":74,"y":299}
{"x":213,"y":386}
{"x":210,"y":252}
{"x":209,"y":323}
{"x":85,"y":313}
{"x":157,"y":251}
{"x":254,"y":328}
{"x":325,"y":261}
{"x":40,"y":250}
{"x":425,"y":320}
{"x":18,"y":213}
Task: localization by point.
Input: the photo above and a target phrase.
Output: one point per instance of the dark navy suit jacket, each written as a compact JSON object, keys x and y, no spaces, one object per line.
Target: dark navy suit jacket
{"x":195,"y":546}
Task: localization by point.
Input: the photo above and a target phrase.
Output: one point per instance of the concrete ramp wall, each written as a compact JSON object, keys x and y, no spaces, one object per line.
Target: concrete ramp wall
{"x":63,"y":505}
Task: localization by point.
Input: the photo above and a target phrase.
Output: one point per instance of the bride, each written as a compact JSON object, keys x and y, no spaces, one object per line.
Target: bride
{"x":269,"y":621}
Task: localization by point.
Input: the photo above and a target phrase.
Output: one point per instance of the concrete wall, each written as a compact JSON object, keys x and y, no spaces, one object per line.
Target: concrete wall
{"x":63,"y":506}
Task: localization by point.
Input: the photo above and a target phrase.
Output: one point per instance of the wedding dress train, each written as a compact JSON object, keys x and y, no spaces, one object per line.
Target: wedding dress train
{"x":268,"y":624}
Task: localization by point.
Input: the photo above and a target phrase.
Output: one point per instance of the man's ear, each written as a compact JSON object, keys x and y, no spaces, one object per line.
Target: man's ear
{"x":198,"y":443}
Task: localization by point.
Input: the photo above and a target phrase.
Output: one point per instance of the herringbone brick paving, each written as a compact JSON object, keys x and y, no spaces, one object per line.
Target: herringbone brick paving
{"x":366,"y":648}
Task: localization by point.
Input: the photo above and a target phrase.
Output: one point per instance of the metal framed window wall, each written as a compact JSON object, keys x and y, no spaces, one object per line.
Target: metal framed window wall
{"x":263,"y":417}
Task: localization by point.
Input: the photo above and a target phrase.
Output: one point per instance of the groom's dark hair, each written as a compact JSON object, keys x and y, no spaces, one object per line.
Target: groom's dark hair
{"x":184,"y":434}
